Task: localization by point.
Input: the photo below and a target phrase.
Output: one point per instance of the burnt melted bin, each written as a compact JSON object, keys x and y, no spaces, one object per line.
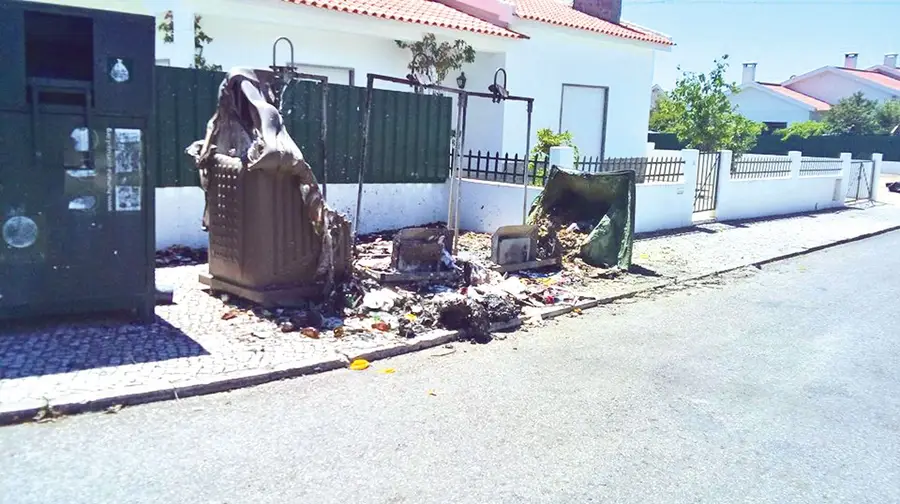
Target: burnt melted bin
{"x":417,"y":255}
{"x":515,"y":248}
{"x":420,"y":250}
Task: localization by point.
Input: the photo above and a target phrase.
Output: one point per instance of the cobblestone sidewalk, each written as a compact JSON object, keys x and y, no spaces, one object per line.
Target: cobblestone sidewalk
{"x":190,"y":345}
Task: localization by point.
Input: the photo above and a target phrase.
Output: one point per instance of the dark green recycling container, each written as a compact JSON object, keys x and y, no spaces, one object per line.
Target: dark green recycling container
{"x":76,"y":199}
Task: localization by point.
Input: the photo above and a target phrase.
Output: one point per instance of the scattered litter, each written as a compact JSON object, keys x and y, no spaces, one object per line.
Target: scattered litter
{"x":115,"y":408}
{"x":381,"y":326}
{"x":310,"y":332}
{"x":180,"y":255}
{"x":307,"y":318}
{"x":444,"y":354}
{"x":389,"y":370}
{"x":432,"y":393}
{"x":382,"y":299}
{"x":47,"y":413}
{"x":473,"y":301}
{"x":359,"y":365}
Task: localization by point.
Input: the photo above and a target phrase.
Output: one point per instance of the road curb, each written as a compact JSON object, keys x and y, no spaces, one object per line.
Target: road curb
{"x":131,"y":396}
{"x":241,"y":379}
{"x":790,"y":255}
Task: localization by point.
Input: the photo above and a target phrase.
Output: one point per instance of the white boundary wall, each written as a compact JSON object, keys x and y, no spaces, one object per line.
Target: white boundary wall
{"x":752,"y":198}
{"x":485,"y":206}
{"x":890,"y":167}
{"x":179,"y":210}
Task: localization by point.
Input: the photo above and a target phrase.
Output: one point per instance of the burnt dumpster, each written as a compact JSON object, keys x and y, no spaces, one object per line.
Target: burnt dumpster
{"x":272,"y":238}
{"x":76,"y":202}
{"x":592,"y":212}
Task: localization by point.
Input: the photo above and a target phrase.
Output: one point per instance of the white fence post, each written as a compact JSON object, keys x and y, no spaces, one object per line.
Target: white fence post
{"x":562,"y":157}
{"x":691,"y":171}
{"x":723,"y":183}
{"x":182,"y":47}
{"x":877,"y":159}
{"x":846,"y":168}
{"x":796,"y":158}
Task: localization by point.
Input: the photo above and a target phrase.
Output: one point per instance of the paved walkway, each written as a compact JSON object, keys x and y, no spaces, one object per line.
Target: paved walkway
{"x":190,"y":345}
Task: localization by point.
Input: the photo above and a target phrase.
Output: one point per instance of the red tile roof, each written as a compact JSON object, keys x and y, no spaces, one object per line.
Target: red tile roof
{"x":875,"y":77}
{"x":424,"y":12}
{"x":433,"y":13}
{"x":557,"y":13}
{"x":819,"y":105}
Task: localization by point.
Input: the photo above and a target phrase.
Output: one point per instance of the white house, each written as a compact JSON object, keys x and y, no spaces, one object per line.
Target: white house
{"x":805,"y":97}
{"x":587,"y":70}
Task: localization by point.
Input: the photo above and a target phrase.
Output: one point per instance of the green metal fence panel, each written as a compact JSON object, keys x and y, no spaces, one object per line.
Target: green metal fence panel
{"x":410,"y":133}
{"x":185,"y":100}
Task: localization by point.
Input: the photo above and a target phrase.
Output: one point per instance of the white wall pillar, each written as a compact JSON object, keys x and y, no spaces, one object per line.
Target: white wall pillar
{"x":846,"y":167}
{"x":723,"y":184}
{"x":691,"y":168}
{"x":181,"y":51}
{"x":877,"y":161}
{"x":562,"y":157}
{"x":726,"y":157}
{"x":796,"y":158}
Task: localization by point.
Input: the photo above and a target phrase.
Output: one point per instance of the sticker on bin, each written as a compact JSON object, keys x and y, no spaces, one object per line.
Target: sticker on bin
{"x":128,"y":150}
{"x":128,"y":198}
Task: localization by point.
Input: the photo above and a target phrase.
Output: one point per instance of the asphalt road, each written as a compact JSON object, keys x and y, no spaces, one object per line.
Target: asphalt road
{"x":778,"y":386}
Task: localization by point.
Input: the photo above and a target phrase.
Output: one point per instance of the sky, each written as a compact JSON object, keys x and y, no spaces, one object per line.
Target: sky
{"x":784,"y":37}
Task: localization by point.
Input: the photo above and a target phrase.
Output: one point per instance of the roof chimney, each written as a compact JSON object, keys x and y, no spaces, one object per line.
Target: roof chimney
{"x":609,"y":10}
{"x":749,"y":73}
{"x":890,"y":60}
{"x":850,"y":60}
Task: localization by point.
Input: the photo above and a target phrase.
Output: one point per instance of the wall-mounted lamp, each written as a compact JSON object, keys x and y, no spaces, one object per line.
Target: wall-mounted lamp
{"x":461,"y":80}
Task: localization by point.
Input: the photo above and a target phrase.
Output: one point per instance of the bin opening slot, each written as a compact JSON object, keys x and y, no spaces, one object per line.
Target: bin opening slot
{"x":59,"y":46}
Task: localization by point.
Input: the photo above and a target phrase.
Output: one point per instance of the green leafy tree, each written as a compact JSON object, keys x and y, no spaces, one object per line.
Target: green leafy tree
{"x":699,"y":113}
{"x":888,"y":117}
{"x":201,"y":39}
{"x":546,"y":139}
{"x":854,"y":115}
{"x":804,"y":129}
{"x":434,"y":60}
{"x":664,"y":114}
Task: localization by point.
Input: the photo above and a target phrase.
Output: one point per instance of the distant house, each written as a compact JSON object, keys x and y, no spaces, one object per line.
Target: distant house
{"x":805,"y":97}
{"x":586,"y":68}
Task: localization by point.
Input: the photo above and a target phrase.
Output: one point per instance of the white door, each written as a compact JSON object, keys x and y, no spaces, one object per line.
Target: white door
{"x":583,"y":113}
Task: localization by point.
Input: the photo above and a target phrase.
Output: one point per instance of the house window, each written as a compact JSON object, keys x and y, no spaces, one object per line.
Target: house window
{"x":583,"y":114}
{"x":164,"y":62}
{"x":335,"y":74}
{"x":772,"y":126}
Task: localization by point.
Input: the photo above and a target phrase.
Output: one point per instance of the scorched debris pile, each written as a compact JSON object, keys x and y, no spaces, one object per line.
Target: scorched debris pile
{"x":275,"y":242}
